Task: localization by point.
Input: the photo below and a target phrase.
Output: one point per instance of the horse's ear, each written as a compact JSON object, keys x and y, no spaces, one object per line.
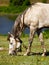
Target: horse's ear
{"x":10,"y":34}
{"x":8,"y":37}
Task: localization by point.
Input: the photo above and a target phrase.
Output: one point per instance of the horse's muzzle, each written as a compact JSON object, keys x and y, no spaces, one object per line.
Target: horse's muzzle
{"x":13,"y":53}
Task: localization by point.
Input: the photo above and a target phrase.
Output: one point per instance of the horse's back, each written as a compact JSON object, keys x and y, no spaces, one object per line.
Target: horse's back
{"x":44,"y":15}
{"x":37,"y":14}
{"x":42,"y":4}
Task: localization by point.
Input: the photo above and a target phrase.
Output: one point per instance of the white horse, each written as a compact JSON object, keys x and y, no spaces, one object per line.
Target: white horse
{"x":35,"y":18}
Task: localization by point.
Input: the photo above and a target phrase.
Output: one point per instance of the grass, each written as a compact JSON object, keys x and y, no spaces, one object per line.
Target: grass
{"x":35,"y":59}
{"x":12,"y":9}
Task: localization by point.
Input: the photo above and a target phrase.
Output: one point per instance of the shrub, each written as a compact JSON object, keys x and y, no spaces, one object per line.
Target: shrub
{"x":26,"y":2}
{"x":16,"y":2}
{"x":19,"y":2}
{"x":46,"y":34}
{"x":44,"y":1}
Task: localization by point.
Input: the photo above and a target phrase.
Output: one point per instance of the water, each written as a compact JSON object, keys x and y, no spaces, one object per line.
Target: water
{"x":5,"y":24}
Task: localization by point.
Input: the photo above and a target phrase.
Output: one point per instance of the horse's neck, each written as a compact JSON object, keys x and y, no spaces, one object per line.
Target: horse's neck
{"x":20,"y":20}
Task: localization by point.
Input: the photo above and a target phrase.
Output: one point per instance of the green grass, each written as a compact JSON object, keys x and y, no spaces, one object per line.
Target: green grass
{"x":34,"y":59}
{"x":12,"y":9}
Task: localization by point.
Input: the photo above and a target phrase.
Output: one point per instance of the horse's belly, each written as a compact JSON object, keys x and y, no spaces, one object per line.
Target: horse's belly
{"x":45,"y":24}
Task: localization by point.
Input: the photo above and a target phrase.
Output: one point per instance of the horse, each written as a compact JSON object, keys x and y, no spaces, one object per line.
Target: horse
{"x":35,"y":17}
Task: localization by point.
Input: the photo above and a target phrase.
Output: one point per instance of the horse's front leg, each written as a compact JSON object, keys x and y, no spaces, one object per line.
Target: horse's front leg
{"x":42,"y":42}
{"x":32,"y":31}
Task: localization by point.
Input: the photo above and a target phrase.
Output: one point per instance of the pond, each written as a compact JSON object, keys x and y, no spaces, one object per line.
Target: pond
{"x":6,"y":25}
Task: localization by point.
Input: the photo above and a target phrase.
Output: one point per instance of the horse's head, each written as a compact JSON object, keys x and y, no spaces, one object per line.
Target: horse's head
{"x":14,"y":44}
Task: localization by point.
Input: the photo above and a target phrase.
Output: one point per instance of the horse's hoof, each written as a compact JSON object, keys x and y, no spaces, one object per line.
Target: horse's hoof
{"x":25,"y":54}
{"x":43,"y":54}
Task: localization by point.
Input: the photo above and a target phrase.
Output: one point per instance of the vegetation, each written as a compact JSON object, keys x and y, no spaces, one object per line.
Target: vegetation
{"x":46,"y":33}
{"x":44,"y":1}
{"x":34,"y":59}
{"x":19,"y":2}
{"x":16,"y":6}
{"x":11,"y":9}
{"x":4,"y":2}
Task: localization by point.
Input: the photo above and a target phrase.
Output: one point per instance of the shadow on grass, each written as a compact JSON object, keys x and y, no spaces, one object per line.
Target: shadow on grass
{"x":32,"y":53}
{"x":47,"y":53}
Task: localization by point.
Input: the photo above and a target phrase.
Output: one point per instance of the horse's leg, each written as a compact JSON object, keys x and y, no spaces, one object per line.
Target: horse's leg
{"x":42,"y":41}
{"x":32,"y":31}
{"x":20,"y":49}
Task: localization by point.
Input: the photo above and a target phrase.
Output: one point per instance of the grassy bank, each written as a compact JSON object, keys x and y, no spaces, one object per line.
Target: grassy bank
{"x":12,"y":9}
{"x":34,"y":59}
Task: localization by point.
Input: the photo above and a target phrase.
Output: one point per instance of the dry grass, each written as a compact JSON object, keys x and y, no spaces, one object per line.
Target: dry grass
{"x":4,"y":2}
